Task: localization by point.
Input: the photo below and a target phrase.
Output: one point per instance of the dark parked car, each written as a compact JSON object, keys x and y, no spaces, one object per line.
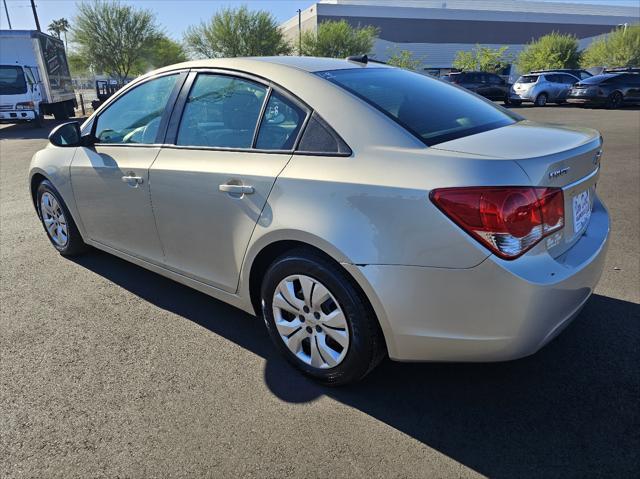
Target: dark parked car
{"x":609,"y":89}
{"x":576,"y":72}
{"x":489,"y":85}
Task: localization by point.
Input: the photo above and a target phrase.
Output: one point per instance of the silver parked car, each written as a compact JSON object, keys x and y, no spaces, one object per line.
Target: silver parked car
{"x":542,"y":88}
{"x":362,"y":210}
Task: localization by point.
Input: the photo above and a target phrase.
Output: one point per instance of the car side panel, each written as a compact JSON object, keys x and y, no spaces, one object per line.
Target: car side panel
{"x":54,"y":164}
{"x":375,"y":209}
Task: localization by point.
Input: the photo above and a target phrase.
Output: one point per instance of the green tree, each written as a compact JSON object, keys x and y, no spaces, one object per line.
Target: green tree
{"x":555,"y":50}
{"x":113,"y":37}
{"x":78,"y":65}
{"x":163,"y":51}
{"x":404,"y":59}
{"x":621,"y":48}
{"x":482,"y":58}
{"x":338,"y":40}
{"x":237,"y":32}
{"x":59,"y":27}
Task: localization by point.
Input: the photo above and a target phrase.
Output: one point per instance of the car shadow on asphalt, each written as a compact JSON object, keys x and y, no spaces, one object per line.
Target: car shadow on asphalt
{"x":571,"y":410}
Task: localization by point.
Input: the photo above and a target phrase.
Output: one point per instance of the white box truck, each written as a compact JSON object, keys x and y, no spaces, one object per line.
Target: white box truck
{"x":34,"y":77}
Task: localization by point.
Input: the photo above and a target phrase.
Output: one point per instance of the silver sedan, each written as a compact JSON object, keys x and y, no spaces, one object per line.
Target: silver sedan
{"x":361,"y":210}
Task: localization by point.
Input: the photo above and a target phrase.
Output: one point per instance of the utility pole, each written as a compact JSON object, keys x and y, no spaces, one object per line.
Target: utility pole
{"x":35,"y":15}
{"x":6,"y":10}
{"x":299,"y":32}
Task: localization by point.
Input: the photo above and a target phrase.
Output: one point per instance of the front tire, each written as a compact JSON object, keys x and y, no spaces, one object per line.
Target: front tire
{"x":319,"y":320}
{"x":38,"y":122}
{"x":57,"y":221}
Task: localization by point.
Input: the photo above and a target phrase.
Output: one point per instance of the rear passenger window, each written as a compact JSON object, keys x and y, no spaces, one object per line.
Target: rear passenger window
{"x":221,"y":111}
{"x":280,"y":124}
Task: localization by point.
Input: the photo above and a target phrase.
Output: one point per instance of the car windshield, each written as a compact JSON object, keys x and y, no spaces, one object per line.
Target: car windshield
{"x":432,"y":110}
{"x":528,"y":79}
{"x":598,"y":78}
{"x":12,"y":80}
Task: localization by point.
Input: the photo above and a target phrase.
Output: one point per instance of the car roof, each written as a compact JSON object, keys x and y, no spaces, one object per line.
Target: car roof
{"x":262,"y":65}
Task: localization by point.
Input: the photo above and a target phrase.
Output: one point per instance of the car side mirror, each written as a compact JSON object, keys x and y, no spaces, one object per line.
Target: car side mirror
{"x":68,"y":135}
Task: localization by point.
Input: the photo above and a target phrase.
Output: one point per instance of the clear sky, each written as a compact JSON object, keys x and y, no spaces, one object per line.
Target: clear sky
{"x":176,"y":15}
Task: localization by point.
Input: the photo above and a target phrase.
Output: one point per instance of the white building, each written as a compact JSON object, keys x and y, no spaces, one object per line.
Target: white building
{"x":434,"y":30}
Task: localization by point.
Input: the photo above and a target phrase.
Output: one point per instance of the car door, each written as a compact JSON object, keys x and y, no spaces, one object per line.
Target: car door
{"x":631,"y":89}
{"x":498,"y":87}
{"x":234,"y":136}
{"x":110,"y":179}
{"x":566,"y":82}
{"x":481,"y":86}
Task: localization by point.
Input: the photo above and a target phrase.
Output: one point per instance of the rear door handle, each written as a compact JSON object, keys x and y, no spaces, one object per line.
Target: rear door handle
{"x":237,"y":189}
{"x":138,"y":180}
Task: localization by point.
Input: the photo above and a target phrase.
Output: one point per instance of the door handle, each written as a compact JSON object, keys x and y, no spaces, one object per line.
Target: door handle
{"x":130,"y":178}
{"x":237,"y":189}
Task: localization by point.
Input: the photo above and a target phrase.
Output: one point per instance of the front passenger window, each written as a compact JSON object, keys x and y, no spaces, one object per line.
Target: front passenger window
{"x":135,"y":116}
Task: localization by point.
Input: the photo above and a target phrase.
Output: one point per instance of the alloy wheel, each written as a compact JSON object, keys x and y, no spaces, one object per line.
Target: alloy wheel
{"x":54,"y":220}
{"x":310,"y":321}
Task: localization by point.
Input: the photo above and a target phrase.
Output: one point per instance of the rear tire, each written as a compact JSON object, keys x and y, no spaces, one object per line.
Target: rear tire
{"x":541,"y":100}
{"x":614,"y":100}
{"x":299,"y":328}
{"x":60,"y":112}
{"x":57,"y":221}
{"x":71,"y":111}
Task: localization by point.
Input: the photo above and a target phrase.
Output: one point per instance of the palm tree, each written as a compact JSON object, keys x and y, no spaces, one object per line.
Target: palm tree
{"x":56,"y":27}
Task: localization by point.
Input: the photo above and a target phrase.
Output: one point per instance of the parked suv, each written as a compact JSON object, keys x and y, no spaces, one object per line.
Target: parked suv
{"x":542,"y":88}
{"x":489,"y":85}
{"x":610,"y":89}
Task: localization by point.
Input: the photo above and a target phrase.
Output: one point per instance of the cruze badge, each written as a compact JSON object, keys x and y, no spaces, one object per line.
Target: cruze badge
{"x":560,"y":172}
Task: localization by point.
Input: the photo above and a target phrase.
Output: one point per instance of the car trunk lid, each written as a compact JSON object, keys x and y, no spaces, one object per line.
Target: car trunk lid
{"x":551,"y":156}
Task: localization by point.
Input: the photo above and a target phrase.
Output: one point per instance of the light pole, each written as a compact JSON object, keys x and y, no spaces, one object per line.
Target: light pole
{"x":35,"y":15}
{"x":6,"y":10}
{"x":299,"y":32}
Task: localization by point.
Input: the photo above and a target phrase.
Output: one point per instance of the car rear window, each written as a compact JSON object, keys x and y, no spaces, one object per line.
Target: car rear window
{"x":594,"y":80}
{"x":527,"y":79}
{"x":432,"y":110}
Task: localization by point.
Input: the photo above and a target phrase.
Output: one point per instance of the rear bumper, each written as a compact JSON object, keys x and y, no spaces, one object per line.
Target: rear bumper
{"x":499,"y":310}
{"x":17,"y":115}
{"x":585,"y":99}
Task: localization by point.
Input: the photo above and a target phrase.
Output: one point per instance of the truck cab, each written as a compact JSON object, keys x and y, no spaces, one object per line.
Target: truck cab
{"x":20,"y":94}
{"x":34,"y":77}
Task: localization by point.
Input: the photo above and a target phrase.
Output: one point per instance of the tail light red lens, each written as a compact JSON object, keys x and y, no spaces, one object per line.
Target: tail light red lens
{"x":507,"y":220}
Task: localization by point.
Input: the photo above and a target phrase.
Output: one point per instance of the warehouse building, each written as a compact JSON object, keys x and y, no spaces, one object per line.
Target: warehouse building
{"x":434,"y":30}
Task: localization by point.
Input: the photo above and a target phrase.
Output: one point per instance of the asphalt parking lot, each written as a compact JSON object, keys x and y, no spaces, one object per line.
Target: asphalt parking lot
{"x":108,"y":370}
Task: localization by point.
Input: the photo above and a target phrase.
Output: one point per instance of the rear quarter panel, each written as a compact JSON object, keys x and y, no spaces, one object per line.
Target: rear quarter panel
{"x":374,"y":207}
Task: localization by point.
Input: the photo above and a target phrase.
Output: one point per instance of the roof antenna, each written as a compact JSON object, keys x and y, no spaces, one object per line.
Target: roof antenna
{"x":358,"y":58}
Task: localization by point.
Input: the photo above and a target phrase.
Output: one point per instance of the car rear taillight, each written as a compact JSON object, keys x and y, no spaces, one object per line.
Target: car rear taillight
{"x":507,"y":220}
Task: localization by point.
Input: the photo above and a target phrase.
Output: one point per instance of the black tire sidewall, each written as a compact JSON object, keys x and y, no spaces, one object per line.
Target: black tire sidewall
{"x":537,"y":102}
{"x":75,"y":244}
{"x":364,"y":341}
{"x":615,"y":100}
